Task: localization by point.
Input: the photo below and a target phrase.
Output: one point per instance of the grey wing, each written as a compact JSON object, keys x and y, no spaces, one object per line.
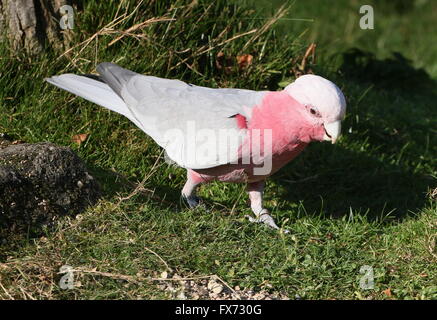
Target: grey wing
{"x":195,"y":125}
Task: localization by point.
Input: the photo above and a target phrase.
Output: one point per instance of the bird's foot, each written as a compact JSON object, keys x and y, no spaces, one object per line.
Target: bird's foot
{"x":192,"y":201}
{"x":265,"y":218}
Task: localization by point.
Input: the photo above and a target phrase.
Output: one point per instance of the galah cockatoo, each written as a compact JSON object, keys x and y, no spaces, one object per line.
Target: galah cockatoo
{"x":230,"y":135}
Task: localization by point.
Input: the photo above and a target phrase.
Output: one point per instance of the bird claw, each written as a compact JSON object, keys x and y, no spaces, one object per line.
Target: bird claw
{"x":192,"y":201}
{"x":267,"y":219}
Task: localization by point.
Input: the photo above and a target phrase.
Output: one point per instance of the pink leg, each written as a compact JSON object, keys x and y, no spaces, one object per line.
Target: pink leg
{"x":189,"y":190}
{"x":255,"y":190}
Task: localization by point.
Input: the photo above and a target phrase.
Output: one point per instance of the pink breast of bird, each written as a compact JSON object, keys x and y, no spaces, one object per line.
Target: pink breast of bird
{"x":291,"y":132}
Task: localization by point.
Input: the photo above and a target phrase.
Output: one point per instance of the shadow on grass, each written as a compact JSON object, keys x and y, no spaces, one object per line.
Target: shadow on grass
{"x":350,"y":181}
{"x":395,"y":74}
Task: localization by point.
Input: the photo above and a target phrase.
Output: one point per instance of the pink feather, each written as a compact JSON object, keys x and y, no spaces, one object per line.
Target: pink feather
{"x":291,"y":133}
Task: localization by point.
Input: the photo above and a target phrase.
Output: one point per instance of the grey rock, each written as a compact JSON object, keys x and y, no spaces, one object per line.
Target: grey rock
{"x":39,"y":183}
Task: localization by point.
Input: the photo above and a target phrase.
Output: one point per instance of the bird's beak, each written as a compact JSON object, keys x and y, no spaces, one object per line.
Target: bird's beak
{"x":332,"y":131}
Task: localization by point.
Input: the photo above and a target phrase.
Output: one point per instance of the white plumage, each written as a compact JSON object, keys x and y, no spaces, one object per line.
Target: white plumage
{"x":167,"y":109}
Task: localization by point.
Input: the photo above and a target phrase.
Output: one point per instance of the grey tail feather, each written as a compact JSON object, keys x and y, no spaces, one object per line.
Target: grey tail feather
{"x":114,"y":76}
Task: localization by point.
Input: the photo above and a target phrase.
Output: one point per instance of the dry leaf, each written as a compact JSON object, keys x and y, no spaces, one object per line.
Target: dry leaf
{"x":219,"y":60}
{"x":223,"y":62}
{"x":244,"y":61}
{"x":300,"y":64}
{"x":387,"y":292}
{"x":79,"y":138}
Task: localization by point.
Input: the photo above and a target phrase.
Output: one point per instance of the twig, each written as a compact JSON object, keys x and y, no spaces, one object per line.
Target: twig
{"x":109,"y":29}
{"x":140,"y":187}
{"x":132,"y":278}
{"x":204,"y":49}
{"x":140,"y":279}
{"x":236,"y":202}
{"x":134,"y":28}
{"x":159,"y":257}
{"x":6,"y":291}
{"x":228,"y":286}
{"x":26,"y":294}
{"x":310,"y":50}
{"x":279,"y":14}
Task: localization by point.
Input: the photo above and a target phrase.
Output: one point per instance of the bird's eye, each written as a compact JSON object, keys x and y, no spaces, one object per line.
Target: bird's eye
{"x":313,"y":111}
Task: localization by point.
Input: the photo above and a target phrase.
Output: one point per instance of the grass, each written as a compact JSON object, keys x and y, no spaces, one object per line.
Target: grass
{"x":364,"y":201}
